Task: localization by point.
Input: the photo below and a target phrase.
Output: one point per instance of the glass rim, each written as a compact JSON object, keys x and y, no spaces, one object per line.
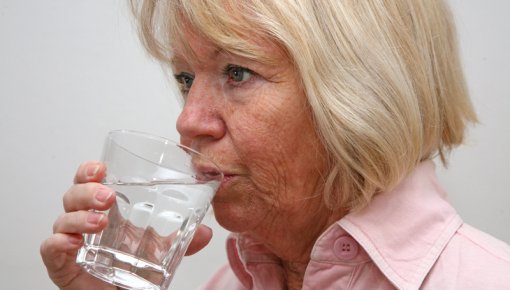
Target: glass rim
{"x":163,"y":140}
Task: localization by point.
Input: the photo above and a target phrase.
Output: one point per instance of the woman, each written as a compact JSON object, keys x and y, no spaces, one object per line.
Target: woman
{"x":324,"y":116}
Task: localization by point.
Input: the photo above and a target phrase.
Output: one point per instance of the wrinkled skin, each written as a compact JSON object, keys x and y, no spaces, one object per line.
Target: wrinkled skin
{"x":253,"y":118}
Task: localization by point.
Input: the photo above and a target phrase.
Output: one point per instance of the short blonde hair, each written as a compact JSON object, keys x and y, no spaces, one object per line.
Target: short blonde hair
{"x":383,"y":78}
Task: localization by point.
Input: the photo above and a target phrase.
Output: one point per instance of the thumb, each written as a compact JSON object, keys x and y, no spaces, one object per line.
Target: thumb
{"x":201,"y":238}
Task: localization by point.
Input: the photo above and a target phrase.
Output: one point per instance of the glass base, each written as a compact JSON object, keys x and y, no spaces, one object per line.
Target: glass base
{"x":119,"y":277}
{"x":119,"y":269}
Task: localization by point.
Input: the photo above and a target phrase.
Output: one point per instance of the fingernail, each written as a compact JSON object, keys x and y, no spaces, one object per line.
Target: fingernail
{"x":74,"y":240}
{"x":92,"y":170}
{"x":103,"y":194}
{"x":95,"y":218}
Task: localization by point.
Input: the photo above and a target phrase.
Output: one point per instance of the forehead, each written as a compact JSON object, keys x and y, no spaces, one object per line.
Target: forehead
{"x":193,"y":46}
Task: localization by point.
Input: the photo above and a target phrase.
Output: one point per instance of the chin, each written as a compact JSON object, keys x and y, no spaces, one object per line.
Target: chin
{"x":231,"y":217}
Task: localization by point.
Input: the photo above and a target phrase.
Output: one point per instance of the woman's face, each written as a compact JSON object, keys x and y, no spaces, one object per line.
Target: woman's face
{"x":253,"y":119}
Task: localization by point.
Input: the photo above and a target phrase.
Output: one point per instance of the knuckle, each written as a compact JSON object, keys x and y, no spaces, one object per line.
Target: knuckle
{"x":43,"y":248}
{"x":66,"y":198}
{"x":80,"y":196}
{"x":79,"y":172}
{"x":48,"y":247}
{"x":57,"y":223}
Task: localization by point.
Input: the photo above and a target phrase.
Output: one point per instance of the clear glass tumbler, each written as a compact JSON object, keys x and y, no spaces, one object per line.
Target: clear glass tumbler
{"x":163,"y":190}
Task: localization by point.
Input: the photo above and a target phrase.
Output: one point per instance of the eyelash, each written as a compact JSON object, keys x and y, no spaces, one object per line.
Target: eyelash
{"x":183,"y":79}
{"x":231,"y":69}
{"x":182,"y":82}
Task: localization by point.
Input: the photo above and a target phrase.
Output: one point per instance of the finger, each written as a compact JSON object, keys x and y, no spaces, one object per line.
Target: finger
{"x":87,"y":196}
{"x":90,"y":171}
{"x":54,"y":248}
{"x":201,"y":238}
{"x":79,"y":222}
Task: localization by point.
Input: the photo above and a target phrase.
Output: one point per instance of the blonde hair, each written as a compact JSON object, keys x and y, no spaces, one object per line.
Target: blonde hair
{"x":383,"y":78}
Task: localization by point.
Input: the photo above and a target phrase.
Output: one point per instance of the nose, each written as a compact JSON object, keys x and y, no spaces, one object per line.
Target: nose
{"x":200,"y":119}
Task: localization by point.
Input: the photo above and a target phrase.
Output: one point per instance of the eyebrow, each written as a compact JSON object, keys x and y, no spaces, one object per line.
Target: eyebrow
{"x":174,"y":60}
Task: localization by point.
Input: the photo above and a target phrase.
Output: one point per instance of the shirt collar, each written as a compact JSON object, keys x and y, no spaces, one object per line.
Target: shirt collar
{"x":405,"y":230}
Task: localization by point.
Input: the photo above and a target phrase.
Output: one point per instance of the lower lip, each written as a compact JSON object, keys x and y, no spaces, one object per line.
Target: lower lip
{"x":226,"y":180}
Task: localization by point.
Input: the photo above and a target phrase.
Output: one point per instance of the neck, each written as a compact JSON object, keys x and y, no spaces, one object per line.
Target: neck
{"x":295,"y":273}
{"x":292,"y":238}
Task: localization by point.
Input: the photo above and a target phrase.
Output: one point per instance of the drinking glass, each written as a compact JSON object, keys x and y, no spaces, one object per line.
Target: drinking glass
{"x":163,"y":190}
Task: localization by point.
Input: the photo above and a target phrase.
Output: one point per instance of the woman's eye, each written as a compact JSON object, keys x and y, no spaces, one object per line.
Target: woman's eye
{"x":185,"y":80}
{"x":237,"y":74}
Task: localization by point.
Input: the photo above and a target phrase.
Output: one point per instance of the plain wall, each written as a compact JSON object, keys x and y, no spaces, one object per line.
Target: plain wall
{"x":70,"y":71}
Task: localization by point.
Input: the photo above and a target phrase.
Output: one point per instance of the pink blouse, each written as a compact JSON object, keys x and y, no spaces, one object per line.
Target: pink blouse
{"x":408,"y":238}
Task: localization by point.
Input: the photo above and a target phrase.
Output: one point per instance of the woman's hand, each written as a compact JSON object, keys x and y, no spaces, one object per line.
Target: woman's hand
{"x":59,"y":250}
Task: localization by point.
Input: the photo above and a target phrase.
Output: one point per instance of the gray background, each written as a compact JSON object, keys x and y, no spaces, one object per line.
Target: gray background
{"x":72,"y":70}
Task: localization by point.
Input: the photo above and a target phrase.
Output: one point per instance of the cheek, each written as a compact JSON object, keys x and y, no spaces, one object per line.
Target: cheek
{"x":256,"y":138}
{"x":279,"y":148}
